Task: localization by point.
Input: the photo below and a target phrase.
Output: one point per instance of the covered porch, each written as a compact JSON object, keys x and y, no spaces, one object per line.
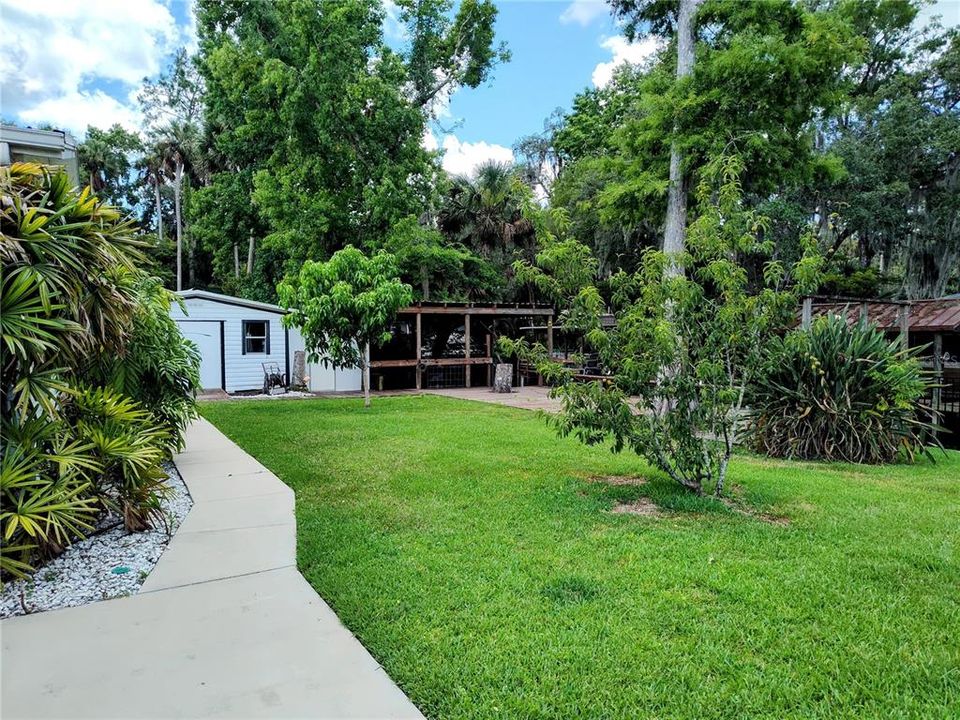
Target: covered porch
{"x":449,"y":345}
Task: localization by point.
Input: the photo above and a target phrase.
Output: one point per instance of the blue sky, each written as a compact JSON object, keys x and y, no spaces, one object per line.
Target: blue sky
{"x":554,"y":57}
{"x":72,"y":63}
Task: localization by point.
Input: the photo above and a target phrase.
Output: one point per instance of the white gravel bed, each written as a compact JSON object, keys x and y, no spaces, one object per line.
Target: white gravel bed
{"x":112,"y":563}
{"x":278,"y":396}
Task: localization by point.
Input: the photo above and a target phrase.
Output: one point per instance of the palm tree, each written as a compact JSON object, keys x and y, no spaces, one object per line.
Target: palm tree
{"x":151,"y":173}
{"x":179,"y":151}
{"x":484,"y":211}
{"x":96,"y":155}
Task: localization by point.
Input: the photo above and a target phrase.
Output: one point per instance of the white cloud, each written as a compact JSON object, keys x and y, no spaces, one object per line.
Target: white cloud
{"x":57,"y":53}
{"x":430,"y":140}
{"x":462,"y":158}
{"x":80,"y":109}
{"x":583,"y":12}
{"x":623,"y":51}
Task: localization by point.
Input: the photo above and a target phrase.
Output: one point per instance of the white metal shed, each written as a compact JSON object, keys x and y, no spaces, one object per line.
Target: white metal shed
{"x":236,"y":336}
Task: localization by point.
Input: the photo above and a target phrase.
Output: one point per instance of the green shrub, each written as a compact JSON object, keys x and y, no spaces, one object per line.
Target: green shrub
{"x":97,"y":384}
{"x":45,"y":491}
{"x":839,"y":392}
{"x":158,"y":367}
{"x":128,"y":448}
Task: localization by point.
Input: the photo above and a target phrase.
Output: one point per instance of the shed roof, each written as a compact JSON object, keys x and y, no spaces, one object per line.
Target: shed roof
{"x":230,"y":300}
{"x":937,"y":315}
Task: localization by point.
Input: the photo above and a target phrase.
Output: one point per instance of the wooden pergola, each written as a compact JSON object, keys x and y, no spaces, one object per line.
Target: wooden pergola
{"x":467,"y":310}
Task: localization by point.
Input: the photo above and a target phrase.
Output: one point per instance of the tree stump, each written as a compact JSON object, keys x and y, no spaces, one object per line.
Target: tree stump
{"x":299,"y":370}
{"x":503,"y":378}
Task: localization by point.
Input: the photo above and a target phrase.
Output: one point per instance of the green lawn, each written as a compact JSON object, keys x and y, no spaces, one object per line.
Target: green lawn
{"x":467,"y":548}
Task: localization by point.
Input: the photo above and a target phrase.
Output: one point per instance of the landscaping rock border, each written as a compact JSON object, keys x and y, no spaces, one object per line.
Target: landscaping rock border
{"x":111,"y":563}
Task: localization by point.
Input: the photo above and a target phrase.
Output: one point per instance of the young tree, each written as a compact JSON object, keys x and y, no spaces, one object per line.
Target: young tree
{"x":345,"y":305}
{"x":686,"y":344}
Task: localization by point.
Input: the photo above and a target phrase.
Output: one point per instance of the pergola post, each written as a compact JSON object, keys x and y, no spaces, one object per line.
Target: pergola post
{"x":419,"y":352}
{"x":937,"y":378}
{"x":489,"y":363}
{"x":466,"y":348}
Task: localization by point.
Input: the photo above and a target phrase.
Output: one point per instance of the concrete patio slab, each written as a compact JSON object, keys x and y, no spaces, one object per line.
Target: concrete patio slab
{"x":531,"y":397}
{"x":224,"y":626}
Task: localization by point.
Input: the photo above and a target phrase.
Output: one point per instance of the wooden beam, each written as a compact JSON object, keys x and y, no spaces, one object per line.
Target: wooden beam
{"x":419,"y":351}
{"x":455,"y":310}
{"x":490,"y":365}
{"x":429,"y":362}
{"x":466,"y":349}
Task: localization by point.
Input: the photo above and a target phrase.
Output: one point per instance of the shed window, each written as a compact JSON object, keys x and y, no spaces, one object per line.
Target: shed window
{"x":256,"y":337}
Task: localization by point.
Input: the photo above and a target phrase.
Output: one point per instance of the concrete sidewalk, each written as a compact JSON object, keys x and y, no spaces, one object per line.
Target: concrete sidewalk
{"x":224,"y":626}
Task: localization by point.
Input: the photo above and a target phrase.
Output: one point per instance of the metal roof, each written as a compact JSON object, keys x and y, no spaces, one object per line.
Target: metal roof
{"x":230,"y":300}
{"x":938,"y":315}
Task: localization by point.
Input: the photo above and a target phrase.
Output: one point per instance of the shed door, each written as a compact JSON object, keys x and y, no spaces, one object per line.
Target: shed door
{"x":206,"y":335}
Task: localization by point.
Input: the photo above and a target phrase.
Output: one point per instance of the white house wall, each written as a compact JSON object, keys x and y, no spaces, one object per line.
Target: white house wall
{"x":241,"y":371}
{"x":245,"y":371}
{"x":324,"y":379}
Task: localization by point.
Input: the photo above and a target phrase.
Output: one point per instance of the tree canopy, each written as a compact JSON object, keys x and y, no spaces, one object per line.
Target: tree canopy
{"x":296,"y":129}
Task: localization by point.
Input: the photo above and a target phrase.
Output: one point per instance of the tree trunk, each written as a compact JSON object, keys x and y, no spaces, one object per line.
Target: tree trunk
{"x":250,"y":255}
{"x":236,"y":261}
{"x":675,"y":225}
{"x":191,"y":262}
{"x":366,"y":375}
{"x":156,"y":196}
{"x":425,"y":284}
{"x":177,"y":183}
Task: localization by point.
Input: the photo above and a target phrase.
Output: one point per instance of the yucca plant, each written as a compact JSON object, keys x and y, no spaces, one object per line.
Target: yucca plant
{"x":839,"y":392}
